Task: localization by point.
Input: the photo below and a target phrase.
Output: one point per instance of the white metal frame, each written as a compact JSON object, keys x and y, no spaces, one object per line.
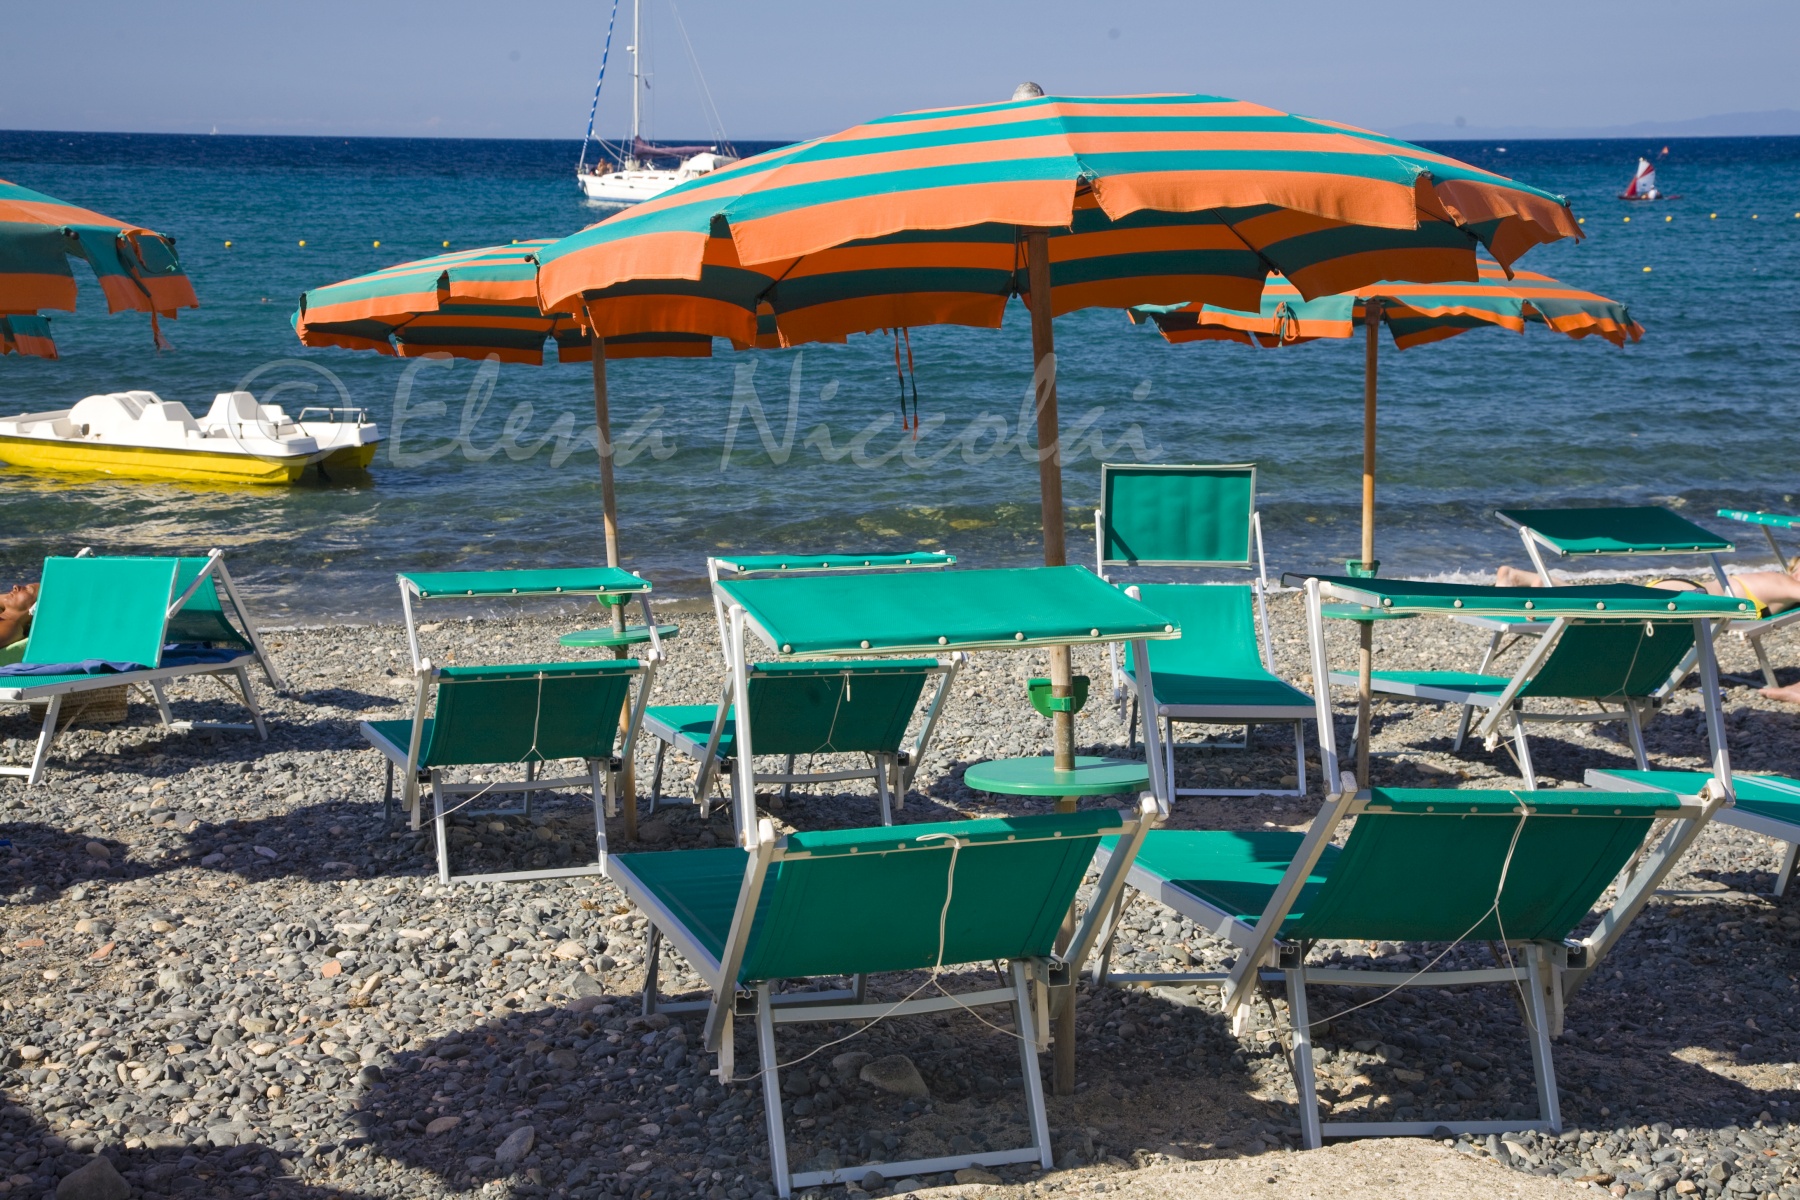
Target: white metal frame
{"x":154,"y":678}
{"x":1034,"y":989}
{"x":1785,"y":832}
{"x":1128,"y":695}
{"x":1549,"y":972}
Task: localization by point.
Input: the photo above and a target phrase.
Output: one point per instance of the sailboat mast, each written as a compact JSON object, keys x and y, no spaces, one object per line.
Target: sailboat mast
{"x":637,"y":85}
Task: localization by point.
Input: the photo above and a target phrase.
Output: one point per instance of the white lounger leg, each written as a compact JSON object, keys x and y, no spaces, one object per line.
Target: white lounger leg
{"x":46,"y":736}
{"x":443,"y":830}
{"x":1025,"y":1020}
{"x":1300,"y":758}
{"x":765,"y":1050}
{"x":1549,"y":1108}
{"x":1306,"y":1092}
{"x":881,"y":788}
{"x":1522,"y":745}
{"x":162,"y":702}
{"x":243,"y":678}
{"x":656,"y":772}
{"x":1634,"y":725}
{"x":1789,"y":854}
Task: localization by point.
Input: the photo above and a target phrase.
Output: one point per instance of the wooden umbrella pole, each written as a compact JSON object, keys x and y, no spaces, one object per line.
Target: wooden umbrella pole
{"x":1365,"y":656}
{"x":609,"y":510}
{"x":1062,"y":674}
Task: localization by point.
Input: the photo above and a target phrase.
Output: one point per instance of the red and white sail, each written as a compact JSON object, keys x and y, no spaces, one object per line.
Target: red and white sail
{"x":1643,"y":184}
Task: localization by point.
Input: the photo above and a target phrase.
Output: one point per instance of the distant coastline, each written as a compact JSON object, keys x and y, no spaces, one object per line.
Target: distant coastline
{"x":1780,"y":122}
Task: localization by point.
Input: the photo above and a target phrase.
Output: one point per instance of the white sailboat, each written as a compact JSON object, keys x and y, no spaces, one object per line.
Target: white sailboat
{"x":635,"y":178}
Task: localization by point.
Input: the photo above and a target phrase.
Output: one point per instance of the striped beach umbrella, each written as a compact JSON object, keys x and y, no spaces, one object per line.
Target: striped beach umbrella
{"x":1415,"y":314}
{"x":39,"y":234}
{"x":941,"y":217}
{"x":480,"y":304}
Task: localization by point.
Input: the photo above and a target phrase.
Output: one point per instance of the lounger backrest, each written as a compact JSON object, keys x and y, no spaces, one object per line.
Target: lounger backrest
{"x":863,"y":900}
{"x":1190,"y":516}
{"x":1425,"y":864}
{"x":1219,"y":624}
{"x":1612,"y":659}
{"x":834,"y":708}
{"x":1646,"y":529}
{"x":202,"y":618}
{"x":111,"y":609}
{"x":527,"y":713}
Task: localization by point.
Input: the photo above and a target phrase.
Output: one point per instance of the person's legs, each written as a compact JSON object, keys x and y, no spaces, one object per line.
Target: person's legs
{"x":1510,"y":576}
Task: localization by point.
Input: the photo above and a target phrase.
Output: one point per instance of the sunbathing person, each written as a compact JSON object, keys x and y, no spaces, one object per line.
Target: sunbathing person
{"x":1770,"y":591}
{"x":15,"y":612}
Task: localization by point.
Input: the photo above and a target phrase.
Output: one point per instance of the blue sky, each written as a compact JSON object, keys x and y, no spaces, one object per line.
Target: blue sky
{"x":793,"y":68}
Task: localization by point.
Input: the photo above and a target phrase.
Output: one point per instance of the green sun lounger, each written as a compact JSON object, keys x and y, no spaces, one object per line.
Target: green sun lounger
{"x":159,"y":618}
{"x":1521,"y":869}
{"x":860,"y":709}
{"x":1765,"y":804}
{"x":1614,"y":646}
{"x":1645,"y":531}
{"x":514,"y":715}
{"x":1754,"y":631}
{"x":961,"y":896}
{"x":1221,"y":671}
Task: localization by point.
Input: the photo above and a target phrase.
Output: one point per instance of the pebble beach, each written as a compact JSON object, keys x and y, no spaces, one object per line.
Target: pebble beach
{"x":225,"y":972}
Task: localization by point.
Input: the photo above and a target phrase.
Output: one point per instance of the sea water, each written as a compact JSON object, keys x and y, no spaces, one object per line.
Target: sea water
{"x":489,"y":467}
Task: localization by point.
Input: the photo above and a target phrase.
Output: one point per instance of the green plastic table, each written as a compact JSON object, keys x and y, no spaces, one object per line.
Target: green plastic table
{"x":1359,"y":612}
{"x":1038,"y":776}
{"x":609,"y":638}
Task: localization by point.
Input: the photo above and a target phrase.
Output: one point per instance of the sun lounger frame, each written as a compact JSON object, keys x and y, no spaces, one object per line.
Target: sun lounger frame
{"x":1549,"y":972}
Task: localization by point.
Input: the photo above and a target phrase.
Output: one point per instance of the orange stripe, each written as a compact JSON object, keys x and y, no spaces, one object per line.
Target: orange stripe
{"x":650,"y":350}
{"x":1344,"y":198}
{"x":1103,"y":243}
{"x":673,"y":255}
{"x":321,"y":337}
{"x":865,"y":314}
{"x":906,"y":255}
{"x":809,"y":230}
{"x":30,"y":292}
{"x":616,"y":316}
{"x":1352,"y":271}
{"x":380,"y":308}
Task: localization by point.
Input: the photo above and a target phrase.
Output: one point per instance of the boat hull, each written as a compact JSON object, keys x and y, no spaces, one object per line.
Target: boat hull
{"x":350,"y":458}
{"x":147,"y":462}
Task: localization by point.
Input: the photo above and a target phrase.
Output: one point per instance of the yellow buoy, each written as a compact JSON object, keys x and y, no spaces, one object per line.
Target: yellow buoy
{"x":1628,"y":220}
{"x":1714,"y":217}
{"x":1646,"y":270}
{"x":1581,"y":220}
{"x":1668,"y":218}
{"x":447,"y":244}
{"x":378,"y":243}
{"x":303,"y":241}
{"x":228,"y":244}
{"x":1756,"y":216}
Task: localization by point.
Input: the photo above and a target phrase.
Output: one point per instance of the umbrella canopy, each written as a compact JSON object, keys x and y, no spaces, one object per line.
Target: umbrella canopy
{"x":467,"y":304}
{"x":917,"y":219}
{"x":39,"y":234}
{"x":1415,"y":313}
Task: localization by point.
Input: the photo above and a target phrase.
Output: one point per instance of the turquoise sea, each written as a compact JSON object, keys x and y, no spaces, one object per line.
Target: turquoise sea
{"x":803,"y":449}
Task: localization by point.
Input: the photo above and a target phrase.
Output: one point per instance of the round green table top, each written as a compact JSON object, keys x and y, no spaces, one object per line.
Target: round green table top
{"x":1092,"y":776}
{"x":1361,"y":612}
{"x":609,"y":637}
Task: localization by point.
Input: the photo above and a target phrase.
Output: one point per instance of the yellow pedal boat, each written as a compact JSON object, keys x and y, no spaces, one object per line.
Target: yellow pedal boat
{"x":139,"y":435}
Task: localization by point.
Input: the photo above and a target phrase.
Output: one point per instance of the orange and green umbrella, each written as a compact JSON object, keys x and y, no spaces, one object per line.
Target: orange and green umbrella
{"x":941,"y":217}
{"x":1415,"y":314}
{"x":39,"y":234}
{"x":480,"y":304}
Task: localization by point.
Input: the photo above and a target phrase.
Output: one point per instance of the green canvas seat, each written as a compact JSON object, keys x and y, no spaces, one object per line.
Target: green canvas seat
{"x":146,"y":616}
{"x":1220,"y":671}
{"x":957,"y":896}
{"x":1421,"y":865}
{"x":858,"y":708}
{"x":522,"y":715}
{"x":1765,"y":804}
{"x":1618,"y":668}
